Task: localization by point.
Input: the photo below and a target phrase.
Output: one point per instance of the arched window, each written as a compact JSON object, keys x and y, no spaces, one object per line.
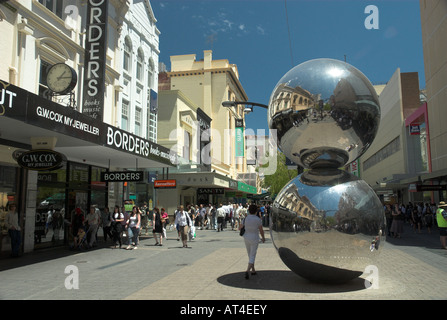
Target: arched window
{"x":140,"y":63}
{"x":127,"y":54}
{"x":150,"y":74}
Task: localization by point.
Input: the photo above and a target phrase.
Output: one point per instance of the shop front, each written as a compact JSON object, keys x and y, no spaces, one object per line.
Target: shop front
{"x":239,"y":192}
{"x":47,"y":197}
{"x":192,"y":188}
{"x":10,"y":186}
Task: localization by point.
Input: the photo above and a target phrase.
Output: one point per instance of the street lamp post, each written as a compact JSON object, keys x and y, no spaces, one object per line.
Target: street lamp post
{"x":248,"y":105}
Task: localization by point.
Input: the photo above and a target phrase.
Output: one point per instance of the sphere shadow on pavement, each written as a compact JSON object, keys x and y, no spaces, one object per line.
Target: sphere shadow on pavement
{"x":286,"y":281}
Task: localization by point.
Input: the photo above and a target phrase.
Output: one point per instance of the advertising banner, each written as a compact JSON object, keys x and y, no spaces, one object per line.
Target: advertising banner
{"x":239,"y":138}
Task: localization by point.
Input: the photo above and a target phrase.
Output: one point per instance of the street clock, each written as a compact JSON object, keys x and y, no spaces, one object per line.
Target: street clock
{"x":61,"y":78}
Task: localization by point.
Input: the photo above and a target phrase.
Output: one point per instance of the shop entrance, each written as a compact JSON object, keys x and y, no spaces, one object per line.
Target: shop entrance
{"x":59,"y":194}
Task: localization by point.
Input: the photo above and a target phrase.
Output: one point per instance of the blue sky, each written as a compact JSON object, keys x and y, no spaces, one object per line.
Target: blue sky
{"x":254,"y":35}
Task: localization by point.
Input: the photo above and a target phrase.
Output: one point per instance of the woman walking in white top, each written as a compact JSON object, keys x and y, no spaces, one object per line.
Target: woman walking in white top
{"x":133,"y":230}
{"x":253,"y":227}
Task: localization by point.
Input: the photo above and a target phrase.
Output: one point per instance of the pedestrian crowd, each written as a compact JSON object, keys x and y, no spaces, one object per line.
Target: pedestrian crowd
{"x":419,"y":216}
{"x":121,"y":226}
{"x":124,"y":228}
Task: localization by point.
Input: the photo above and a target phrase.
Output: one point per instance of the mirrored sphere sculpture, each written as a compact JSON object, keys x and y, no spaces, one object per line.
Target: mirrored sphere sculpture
{"x":326,"y":223}
{"x":325,"y":112}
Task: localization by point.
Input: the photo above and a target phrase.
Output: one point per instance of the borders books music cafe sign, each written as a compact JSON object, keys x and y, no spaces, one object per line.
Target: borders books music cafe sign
{"x":95,"y":59}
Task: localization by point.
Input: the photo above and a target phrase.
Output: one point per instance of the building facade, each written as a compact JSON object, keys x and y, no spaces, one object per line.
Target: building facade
{"x":209,"y":139}
{"x":99,"y":162}
{"x":434,"y":41}
{"x":207,"y":83}
{"x":398,"y":155}
{"x":139,"y":49}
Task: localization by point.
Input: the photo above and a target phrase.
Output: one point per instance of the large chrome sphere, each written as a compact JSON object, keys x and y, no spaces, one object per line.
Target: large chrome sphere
{"x":326,"y":113}
{"x":327,"y":225}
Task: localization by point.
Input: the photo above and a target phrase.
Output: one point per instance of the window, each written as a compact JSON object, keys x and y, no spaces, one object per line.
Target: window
{"x":140,"y":59}
{"x":187,"y":145}
{"x":125,"y":115}
{"x":55,"y":6}
{"x":390,"y":149}
{"x":152,"y":127}
{"x":138,"y":121}
{"x":150,"y":74}
{"x":127,"y":54}
{"x":43,"y":88}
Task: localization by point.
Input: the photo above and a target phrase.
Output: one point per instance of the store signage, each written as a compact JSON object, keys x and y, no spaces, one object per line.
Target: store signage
{"x":164,"y":184}
{"x":233,"y":184}
{"x":35,"y":110}
{"x":12,"y":99}
{"x":7,"y":98}
{"x":239,"y":138}
{"x":41,"y":160}
{"x":355,"y":168}
{"x":48,"y":114}
{"x":123,"y":140}
{"x":122,"y":176}
{"x":437,"y":187}
{"x":415,"y":129}
{"x":95,"y":59}
{"x":210,"y":191}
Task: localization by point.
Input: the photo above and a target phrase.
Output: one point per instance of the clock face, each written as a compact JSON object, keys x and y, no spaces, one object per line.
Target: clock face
{"x":61,"y":78}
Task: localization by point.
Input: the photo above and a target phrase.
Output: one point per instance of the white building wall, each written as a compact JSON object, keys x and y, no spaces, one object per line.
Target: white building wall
{"x":391,"y":127}
{"x":139,"y":27}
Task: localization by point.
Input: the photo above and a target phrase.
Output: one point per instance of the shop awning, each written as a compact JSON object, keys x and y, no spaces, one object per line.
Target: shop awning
{"x":241,"y":186}
{"x":24,"y":115}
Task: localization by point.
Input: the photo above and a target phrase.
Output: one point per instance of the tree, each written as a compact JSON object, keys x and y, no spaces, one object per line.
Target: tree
{"x":276,"y":181}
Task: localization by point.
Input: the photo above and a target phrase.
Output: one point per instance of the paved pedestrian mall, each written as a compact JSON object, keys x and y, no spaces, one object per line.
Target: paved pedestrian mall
{"x":212,"y":268}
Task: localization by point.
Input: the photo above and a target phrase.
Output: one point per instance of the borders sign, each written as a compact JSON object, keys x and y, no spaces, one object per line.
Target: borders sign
{"x":122,"y":176}
{"x":95,"y":59}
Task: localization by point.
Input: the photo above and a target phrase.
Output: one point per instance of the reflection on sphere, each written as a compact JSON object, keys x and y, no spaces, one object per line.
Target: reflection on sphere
{"x":327,"y":225}
{"x":326,"y":113}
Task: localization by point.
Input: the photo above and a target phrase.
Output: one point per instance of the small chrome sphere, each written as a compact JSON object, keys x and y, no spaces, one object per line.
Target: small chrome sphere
{"x":327,"y":225}
{"x":326,"y":113}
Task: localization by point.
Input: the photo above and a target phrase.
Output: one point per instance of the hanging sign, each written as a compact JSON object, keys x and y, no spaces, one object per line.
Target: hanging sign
{"x":122,"y":176}
{"x":415,"y":129}
{"x":41,"y":160}
{"x":164,"y":184}
{"x":95,"y":59}
{"x":239,"y":138}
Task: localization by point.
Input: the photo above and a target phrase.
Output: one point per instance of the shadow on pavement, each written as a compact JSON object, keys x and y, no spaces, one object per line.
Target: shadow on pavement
{"x":412,"y":238}
{"x":286,"y":281}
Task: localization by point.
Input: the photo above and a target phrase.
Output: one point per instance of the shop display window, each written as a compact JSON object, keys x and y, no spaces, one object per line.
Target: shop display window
{"x":51,"y":218}
{"x":8,"y":186}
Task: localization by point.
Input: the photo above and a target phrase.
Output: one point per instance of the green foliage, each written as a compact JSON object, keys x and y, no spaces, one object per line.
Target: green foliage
{"x":276,"y":181}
